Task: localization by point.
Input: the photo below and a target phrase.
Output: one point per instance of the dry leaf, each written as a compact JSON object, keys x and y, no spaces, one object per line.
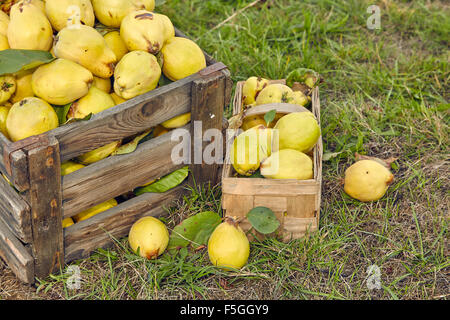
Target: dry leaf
{"x":385,"y":162}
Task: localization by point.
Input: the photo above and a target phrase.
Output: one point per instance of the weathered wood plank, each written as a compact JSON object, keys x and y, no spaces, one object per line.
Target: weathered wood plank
{"x":15,"y":212}
{"x":208,"y":100}
{"x":16,"y":255}
{"x":119,"y":174}
{"x":46,"y":201}
{"x":4,"y":143}
{"x":19,"y":170}
{"x":98,"y":231}
{"x":268,"y":187}
{"x":127,"y":119}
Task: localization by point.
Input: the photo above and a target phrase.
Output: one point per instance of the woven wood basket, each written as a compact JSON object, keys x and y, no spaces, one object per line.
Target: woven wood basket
{"x":296,"y":203}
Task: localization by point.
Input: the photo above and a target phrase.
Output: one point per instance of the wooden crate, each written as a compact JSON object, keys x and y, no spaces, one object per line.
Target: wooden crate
{"x":32,"y":240}
{"x":295,"y":203}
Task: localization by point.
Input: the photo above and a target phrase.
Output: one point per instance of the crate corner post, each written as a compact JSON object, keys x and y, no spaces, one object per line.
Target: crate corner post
{"x":45,"y":199}
{"x":210,"y":94}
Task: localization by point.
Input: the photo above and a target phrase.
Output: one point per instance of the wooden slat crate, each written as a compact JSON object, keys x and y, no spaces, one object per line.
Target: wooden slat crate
{"x":296,"y":203}
{"x":32,"y":240}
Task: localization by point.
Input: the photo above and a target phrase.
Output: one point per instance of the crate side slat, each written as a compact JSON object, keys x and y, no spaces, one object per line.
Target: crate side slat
{"x":119,"y":174}
{"x":16,"y":255}
{"x":19,"y":170}
{"x":99,"y":231}
{"x":15,"y":212}
{"x":126,"y":119}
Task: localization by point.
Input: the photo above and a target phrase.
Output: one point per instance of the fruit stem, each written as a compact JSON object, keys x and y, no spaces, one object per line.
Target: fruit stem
{"x":230,"y":220}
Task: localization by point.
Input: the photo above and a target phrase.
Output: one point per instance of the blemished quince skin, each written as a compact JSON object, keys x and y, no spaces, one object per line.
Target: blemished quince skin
{"x":8,"y":87}
{"x":273,"y":93}
{"x":63,"y":13}
{"x":149,"y":237}
{"x":87,"y":47}
{"x":367,"y":180}
{"x":251,"y":88}
{"x":29,"y":117}
{"x":95,"y":101}
{"x":112,"y":12}
{"x":138,"y":72}
{"x":29,"y":28}
{"x":141,"y":31}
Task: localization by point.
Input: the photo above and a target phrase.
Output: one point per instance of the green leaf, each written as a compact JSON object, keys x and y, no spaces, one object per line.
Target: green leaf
{"x":263,"y":220}
{"x":270,"y":116}
{"x":103,"y":30}
{"x":166,"y":183}
{"x":72,"y":120}
{"x":303,"y":75}
{"x":194,"y":230}
{"x":132,"y":145}
{"x":14,"y":60}
{"x":257,"y":174}
{"x":330,"y":155}
{"x":163,"y":80}
{"x":62,"y":112}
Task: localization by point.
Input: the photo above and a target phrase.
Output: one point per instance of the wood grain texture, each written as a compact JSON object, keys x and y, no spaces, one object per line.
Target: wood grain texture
{"x":208,"y":100}
{"x":46,"y":202}
{"x":268,"y":187}
{"x":19,"y":170}
{"x":118,"y":174}
{"x":4,"y":144}
{"x":125,"y":120}
{"x":99,"y":231}
{"x":15,"y":212}
{"x":16,"y":255}
{"x":302,"y":206}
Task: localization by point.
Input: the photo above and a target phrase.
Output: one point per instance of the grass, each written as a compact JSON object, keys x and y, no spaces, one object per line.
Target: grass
{"x":385,"y":94}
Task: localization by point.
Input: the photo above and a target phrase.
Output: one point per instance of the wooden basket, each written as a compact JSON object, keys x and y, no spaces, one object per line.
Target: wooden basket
{"x":296,"y":203}
{"x":32,"y":240}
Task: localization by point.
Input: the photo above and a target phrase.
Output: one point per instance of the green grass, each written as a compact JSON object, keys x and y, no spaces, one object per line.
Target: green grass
{"x":385,"y":94}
